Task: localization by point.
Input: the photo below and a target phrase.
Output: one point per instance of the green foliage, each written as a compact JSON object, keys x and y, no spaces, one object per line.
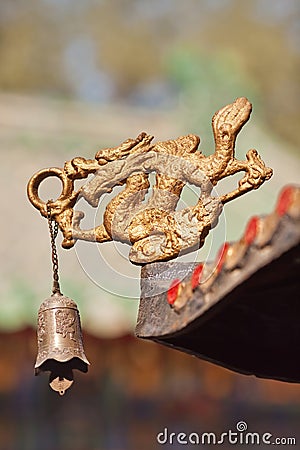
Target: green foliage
{"x":18,"y":306}
{"x":213,"y":51}
{"x":205,"y":82}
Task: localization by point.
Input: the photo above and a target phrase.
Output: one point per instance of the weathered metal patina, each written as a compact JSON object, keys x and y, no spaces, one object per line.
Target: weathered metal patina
{"x":180,"y":303}
{"x":240,"y":311}
{"x":156,"y":230}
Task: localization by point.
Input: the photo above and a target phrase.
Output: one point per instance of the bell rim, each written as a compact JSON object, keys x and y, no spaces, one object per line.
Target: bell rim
{"x":40,"y":362}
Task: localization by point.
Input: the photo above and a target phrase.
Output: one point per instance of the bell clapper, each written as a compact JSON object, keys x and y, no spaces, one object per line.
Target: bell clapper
{"x":61,"y":376}
{"x":60,"y":385}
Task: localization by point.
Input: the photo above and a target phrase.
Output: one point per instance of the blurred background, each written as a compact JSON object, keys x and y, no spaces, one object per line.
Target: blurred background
{"x":79,"y":75}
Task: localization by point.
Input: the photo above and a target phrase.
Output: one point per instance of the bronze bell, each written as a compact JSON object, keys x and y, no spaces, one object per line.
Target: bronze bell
{"x":60,"y":346}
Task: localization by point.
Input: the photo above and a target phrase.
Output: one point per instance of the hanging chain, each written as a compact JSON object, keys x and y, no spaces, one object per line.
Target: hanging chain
{"x":53,"y":229}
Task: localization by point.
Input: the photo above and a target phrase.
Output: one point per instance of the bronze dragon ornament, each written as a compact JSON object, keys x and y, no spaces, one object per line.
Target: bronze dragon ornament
{"x":152,"y":225}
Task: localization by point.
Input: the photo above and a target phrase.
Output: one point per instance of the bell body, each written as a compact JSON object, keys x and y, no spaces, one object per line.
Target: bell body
{"x":60,"y":346}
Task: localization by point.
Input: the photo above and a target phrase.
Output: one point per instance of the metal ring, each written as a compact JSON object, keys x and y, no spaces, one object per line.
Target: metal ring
{"x":37,"y":178}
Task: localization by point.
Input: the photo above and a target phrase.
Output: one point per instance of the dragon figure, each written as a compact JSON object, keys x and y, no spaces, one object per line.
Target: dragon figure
{"x":156,"y":230}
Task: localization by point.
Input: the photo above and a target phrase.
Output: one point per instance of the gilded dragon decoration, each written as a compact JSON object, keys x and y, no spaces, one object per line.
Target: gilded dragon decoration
{"x":147,"y":220}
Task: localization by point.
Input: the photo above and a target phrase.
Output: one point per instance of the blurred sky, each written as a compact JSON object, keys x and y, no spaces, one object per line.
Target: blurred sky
{"x":151,"y":53}
{"x":77,"y":75}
